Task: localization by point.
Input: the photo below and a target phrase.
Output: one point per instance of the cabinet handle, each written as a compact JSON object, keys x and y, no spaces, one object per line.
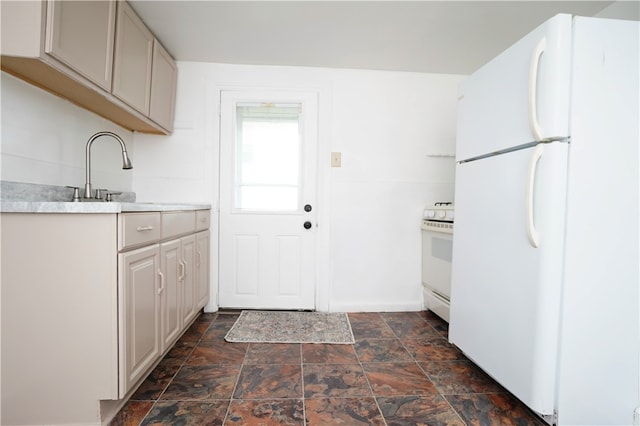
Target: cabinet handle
{"x":161,"y":289}
{"x":182,"y":271}
{"x":199,"y":259}
{"x":144,"y":228}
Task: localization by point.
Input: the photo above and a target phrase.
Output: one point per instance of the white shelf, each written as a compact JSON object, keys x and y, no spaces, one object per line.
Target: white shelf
{"x":442,"y":154}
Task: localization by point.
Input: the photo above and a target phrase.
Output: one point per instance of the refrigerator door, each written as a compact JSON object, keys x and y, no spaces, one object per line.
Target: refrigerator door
{"x":505,"y":296}
{"x":520,"y":96}
{"x":599,"y":371}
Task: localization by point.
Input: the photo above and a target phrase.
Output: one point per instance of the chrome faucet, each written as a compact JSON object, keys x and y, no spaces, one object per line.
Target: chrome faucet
{"x":126,"y":162}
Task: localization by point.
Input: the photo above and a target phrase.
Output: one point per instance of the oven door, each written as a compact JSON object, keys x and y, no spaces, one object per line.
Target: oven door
{"x":437,"y":249}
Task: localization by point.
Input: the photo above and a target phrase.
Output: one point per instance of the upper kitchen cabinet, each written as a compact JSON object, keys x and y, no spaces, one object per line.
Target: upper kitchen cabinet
{"x":97,"y":54}
{"x":144,"y":74}
{"x":80,"y":35}
{"x":163,"y":87}
{"x":133,"y":58}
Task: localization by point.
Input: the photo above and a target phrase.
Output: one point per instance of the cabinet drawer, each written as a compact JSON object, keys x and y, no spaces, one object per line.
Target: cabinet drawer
{"x":137,"y":229}
{"x":175,"y":224}
{"x":203,"y":219}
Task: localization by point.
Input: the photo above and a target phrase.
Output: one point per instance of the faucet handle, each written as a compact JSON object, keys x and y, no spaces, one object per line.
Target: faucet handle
{"x":109,"y":197}
{"x":76,"y":193}
{"x":99,"y":192}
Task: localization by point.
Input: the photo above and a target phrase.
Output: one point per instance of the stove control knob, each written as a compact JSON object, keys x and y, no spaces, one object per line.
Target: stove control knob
{"x":442,"y":214}
{"x":450,"y":215}
{"x":429,"y":214}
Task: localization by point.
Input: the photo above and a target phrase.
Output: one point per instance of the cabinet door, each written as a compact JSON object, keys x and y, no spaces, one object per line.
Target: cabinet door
{"x":80,"y":34}
{"x":139,"y":313}
{"x":188,"y":278}
{"x":170,"y":257}
{"x":202,"y":268}
{"x":163,"y":87}
{"x":132,"y":63}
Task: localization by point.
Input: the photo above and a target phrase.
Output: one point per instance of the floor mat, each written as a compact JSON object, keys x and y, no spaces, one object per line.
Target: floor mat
{"x":291,"y":327}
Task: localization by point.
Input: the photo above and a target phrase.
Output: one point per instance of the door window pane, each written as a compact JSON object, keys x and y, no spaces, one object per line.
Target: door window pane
{"x":268,"y":152}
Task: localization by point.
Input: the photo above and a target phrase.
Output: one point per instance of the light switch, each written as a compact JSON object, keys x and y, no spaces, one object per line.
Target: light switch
{"x":336,"y":159}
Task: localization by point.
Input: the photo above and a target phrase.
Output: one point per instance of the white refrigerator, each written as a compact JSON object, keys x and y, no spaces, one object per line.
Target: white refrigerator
{"x":545,"y":269}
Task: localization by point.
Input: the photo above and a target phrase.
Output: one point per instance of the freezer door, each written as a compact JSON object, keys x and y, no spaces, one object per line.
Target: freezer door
{"x":528,"y":83}
{"x":505,"y":296}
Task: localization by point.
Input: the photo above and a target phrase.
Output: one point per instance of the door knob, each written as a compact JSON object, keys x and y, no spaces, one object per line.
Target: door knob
{"x":308,"y":208}
{"x":307,"y":225}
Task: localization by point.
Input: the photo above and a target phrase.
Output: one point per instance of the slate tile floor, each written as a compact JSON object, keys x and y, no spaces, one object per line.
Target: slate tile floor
{"x":400,"y":371}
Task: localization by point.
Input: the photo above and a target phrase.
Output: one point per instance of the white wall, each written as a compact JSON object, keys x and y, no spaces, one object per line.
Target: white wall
{"x":621,"y":9}
{"x":43,"y":140}
{"x":384,"y":123}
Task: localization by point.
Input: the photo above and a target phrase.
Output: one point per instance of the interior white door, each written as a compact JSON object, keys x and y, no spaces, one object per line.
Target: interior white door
{"x":268,"y":174}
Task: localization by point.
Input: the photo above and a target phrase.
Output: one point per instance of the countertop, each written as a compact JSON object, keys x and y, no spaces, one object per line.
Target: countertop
{"x":94,"y":207}
{"x":21,"y":197}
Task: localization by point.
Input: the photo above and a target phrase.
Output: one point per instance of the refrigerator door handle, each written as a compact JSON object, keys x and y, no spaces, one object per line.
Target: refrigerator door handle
{"x":533,"y":88}
{"x":532,"y":233}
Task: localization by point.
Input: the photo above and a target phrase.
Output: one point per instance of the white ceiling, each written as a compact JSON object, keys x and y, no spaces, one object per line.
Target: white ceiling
{"x":454,"y":37}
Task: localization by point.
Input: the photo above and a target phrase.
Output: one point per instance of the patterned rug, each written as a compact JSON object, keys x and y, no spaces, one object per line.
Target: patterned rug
{"x":291,"y":327}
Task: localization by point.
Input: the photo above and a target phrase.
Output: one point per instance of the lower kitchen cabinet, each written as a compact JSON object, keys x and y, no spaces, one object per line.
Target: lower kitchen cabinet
{"x":139,"y":323}
{"x":170,"y":291}
{"x":180,"y":271}
{"x":59,"y":317}
{"x":90,"y":304}
{"x":202,"y":267}
{"x":188,"y":278}
{"x":158,"y":285}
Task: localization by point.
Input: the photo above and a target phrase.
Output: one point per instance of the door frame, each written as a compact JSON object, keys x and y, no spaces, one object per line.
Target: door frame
{"x":323,"y":186}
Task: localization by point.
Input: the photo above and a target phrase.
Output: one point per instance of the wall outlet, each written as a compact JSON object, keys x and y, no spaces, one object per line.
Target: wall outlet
{"x":336,"y":159}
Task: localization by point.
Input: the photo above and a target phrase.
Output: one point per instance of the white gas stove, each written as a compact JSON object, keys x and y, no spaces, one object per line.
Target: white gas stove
{"x":439,"y":217}
{"x":437,"y":248}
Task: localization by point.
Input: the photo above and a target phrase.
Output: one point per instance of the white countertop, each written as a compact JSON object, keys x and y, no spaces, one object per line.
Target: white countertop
{"x":93,"y":207}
